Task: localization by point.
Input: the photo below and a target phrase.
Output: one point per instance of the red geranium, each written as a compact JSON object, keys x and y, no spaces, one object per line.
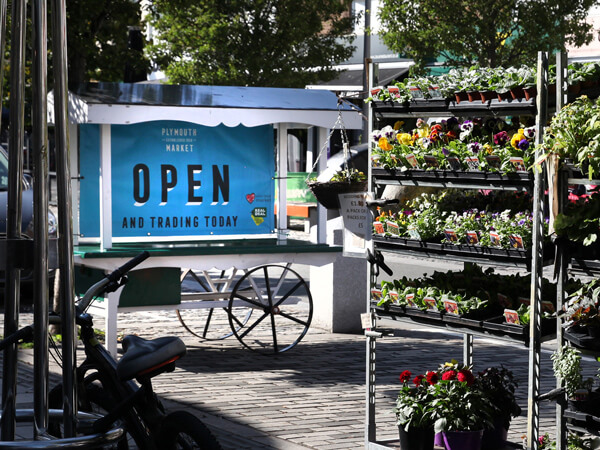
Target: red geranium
{"x":449,"y":375}
{"x":405,"y":376}
{"x":432,"y":378}
{"x":465,"y":375}
{"x":418,"y":379}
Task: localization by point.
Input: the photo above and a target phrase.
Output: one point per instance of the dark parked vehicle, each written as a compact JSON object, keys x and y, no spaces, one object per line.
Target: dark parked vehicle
{"x":26,"y":215}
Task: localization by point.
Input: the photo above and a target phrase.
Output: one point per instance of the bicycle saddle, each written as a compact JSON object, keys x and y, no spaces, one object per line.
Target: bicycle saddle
{"x":143,"y":356}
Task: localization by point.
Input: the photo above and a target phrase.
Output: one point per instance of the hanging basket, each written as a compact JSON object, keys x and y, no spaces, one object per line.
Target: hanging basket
{"x":327,"y":192}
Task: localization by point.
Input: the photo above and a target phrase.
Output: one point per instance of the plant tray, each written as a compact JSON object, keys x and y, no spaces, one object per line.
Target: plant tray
{"x":578,"y":420}
{"x":582,"y":340}
{"x":498,"y":326}
{"x":513,"y":180}
{"x":415,"y":314}
{"x":473,"y":252}
{"x":454,"y":320}
{"x":438,"y":105}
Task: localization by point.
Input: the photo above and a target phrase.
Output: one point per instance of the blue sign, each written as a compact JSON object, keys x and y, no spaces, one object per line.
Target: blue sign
{"x":172,"y":179}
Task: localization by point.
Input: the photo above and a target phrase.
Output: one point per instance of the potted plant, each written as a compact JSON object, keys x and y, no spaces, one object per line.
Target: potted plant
{"x":461,"y":410}
{"x":413,"y":412}
{"x":343,"y":181}
{"x":566,"y":363}
{"x":582,"y":310}
{"x":499,"y":386}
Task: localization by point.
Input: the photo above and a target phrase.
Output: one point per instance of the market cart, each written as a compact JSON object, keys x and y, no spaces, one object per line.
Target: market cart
{"x":189,"y":173}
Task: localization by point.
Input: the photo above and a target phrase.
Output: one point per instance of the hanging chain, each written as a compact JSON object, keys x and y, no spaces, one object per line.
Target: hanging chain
{"x":345,"y":143}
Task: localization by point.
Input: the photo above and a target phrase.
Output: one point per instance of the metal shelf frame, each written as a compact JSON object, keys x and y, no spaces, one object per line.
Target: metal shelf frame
{"x":536,"y":263}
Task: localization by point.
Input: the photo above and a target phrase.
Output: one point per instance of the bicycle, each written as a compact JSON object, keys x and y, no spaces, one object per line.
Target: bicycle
{"x":107,"y":387}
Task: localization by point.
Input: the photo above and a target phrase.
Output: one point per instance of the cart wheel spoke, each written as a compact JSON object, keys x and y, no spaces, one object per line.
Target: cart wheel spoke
{"x":204,"y":322}
{"x":283,"y":296}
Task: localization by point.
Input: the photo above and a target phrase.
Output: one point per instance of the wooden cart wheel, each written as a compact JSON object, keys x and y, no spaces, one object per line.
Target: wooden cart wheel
{"x":208,"y":323}
{"x":283,"y":309}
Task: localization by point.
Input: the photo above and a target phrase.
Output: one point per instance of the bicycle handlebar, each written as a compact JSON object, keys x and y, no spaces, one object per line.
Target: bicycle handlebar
{"x":112,"y":279}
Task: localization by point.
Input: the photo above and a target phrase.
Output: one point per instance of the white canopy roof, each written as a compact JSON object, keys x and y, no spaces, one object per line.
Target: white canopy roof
{"x":126,"y":103}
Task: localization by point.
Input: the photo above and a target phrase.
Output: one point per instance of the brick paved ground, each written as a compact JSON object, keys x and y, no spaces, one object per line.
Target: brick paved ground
{"x":313,"y":396}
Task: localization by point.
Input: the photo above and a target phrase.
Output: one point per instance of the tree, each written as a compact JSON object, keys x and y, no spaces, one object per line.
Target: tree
{"x":250,"y":42}
{"x":492,"y":33}
{"x":98,"y":39}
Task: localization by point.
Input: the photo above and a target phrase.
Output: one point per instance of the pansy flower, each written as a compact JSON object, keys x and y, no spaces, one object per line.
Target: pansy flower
{"x":467,"y":125}
{"x":384,"y":144}
{"x":404,"y":138}
{"x":474,"y":147}
{"x":450,"y":135}
{"x":501,"y":138}
{"x":523,"y":144}
{"x":398,"y":125}
{"x":529,"y":132}
{"x":517,"y":137}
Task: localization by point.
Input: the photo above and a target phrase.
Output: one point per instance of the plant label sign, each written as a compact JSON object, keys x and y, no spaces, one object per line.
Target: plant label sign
{"x":493,"y":161}
{"x":392,"y":228}
{"x":472,"y":238}
{"x":518,"y":164}
{"x":503,"y":300}
{"x":454,"y":163}
{"x":412,"y":160}
{"x":451,"y":306}
{"x":511,"y":316}
{"x":472,"y":162}
{"x":393,"y":296}
{"x":516,"y":241}
{"x":173,"y":179}
{"x":431,"y":161}
{"x":376,"y":294}
{"x":431,"y":303}
{"x":451,"y":236}
{"x":378,"y":227}
{"x":410,"y":299}
{"x":356,"y":218}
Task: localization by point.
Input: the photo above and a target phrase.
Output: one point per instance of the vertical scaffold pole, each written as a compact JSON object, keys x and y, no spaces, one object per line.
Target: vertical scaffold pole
{"x":63,"y":188}
{"x":533,"y":413}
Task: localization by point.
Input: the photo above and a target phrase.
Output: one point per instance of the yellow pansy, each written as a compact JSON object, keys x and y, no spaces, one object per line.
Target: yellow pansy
{"x":384,"y":144}
{"x":423,"y":131}
{"x":487,"y":148}
{"x":517,"y":137}
{"x":398,"y":125}
{"x":405,"y":138}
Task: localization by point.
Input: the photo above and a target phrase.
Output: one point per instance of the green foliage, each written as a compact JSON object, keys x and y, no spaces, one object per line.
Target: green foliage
{"x":273,"y":43}
{"x":489,"y":32}
{"x":566,"y":363}
{"x":97,"y":36}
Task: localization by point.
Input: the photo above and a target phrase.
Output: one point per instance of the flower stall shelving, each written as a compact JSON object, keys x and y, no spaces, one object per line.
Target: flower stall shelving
{"x":402,"y":171}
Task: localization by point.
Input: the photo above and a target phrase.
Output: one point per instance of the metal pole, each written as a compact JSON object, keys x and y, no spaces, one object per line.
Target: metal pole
{"x":533,"y":412}
{"x":366,"y":64}
{"x":13,"y":218}
{"x":40,"y":155}
{"x":561,"y":256}
{"x":65,"y":226}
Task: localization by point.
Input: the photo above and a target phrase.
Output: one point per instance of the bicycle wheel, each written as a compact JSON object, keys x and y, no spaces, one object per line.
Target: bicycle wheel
{"x":283,"y":308}
{"x":182,"y":430}
{"x":95,"y":400}
{"x":208,"y":323}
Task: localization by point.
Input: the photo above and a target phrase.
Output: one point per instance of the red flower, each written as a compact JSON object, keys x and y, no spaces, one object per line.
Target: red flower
{"x":418,"y":379}
{"x":465,"y":375}
{"x":449,"y":375}
{"x":432,"y":378}
{"x":405,"y":376}
{"x":451,"y":135}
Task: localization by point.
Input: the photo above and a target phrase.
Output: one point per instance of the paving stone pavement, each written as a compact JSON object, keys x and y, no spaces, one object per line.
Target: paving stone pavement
{"x":312,"y":397}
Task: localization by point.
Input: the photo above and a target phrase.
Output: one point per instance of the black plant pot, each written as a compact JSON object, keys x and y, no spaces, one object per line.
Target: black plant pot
{"x":416,"y":438}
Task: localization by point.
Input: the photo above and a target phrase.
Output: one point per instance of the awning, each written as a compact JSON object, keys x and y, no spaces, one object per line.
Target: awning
{"x":125,"y":103}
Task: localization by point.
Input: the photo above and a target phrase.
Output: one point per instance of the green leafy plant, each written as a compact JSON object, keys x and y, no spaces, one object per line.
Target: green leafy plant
{"x":566,"y":363}
{"x":498,"y":385}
